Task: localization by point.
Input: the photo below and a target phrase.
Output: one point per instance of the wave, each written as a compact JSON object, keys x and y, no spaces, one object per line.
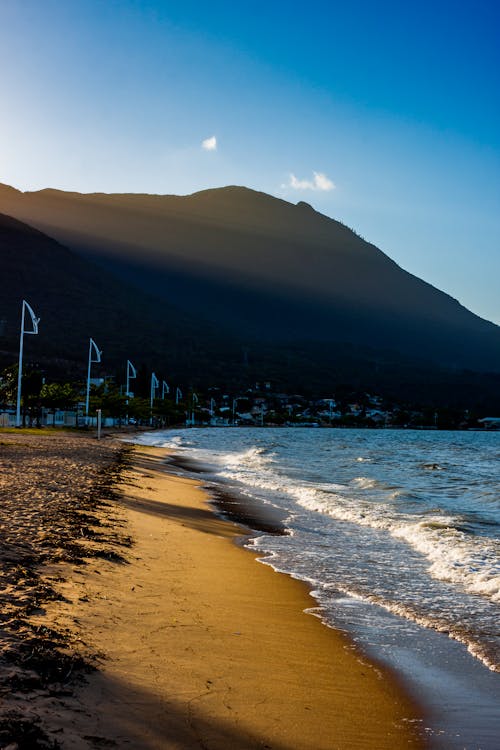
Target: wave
{"x":454,"y":553}
{"x":254,"y":458}
{"x":423,"y":509}
{"x":455,"y":556}
{"x":331,"y":594}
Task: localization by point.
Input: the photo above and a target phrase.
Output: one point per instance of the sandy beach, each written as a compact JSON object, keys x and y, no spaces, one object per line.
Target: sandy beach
{"x":160,"y":630}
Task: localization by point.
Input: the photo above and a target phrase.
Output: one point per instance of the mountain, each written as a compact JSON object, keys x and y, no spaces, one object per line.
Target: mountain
{"x":263,"y":268}
{"x":228,"y":287}
{"x":76,"y":299}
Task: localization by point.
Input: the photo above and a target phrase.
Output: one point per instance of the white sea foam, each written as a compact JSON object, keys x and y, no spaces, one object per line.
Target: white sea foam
{"x":416,"y":514}
{"x":469,"y":561}
{"x":347,"y":596}
{"x":465,"y":560}
{"x":365,"y":483}
{"x":162,"y":440}
{"x":253,"y":459}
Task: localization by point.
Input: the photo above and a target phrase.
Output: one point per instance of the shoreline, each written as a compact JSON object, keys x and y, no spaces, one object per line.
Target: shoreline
{"x":201,"y":646}
{"x":457,"y":693}
{"x":249,"y":641}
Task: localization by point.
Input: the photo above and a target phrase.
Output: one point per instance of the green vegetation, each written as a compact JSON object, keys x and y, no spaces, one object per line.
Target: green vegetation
{"x":258,"y":405}
{"x":39,"y":396}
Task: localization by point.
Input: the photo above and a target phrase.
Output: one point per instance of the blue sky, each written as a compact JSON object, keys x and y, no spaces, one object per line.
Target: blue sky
{"x":384,"y":115}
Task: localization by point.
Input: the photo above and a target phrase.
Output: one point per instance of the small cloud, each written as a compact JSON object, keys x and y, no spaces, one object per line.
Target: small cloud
{"x":322,"y":182}
{"x":319,"y":182}
{"x":210,"y":144}
{"x":300,"y":184}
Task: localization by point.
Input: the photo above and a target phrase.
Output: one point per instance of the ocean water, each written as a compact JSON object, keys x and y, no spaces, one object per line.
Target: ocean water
{"x":396,"y":531}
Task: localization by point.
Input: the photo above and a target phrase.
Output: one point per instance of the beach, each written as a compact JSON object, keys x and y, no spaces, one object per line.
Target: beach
{"x":167,"y":632}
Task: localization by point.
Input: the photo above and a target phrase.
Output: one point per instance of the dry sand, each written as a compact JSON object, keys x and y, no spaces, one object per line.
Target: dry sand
{"x":201,"y":646}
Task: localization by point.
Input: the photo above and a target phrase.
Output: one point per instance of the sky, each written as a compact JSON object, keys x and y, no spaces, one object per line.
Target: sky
{"x":384,"y":115}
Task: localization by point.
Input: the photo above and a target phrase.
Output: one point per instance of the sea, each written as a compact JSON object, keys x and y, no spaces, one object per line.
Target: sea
{"x":397,"y":534}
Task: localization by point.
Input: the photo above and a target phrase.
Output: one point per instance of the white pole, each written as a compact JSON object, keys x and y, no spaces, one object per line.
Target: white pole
{"x":131,"y":373}
{"x":194,"y":401}
{"x":99,"y":413}
{"x":128,"y":380}
{"x":20,"y":371}
{"x":35,"y":321}
{"x":92,"y":343}
{"x":87,"y":400}
{"x":154,"y":385}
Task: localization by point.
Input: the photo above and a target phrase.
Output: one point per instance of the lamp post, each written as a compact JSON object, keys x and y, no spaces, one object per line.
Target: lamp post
{"x":131,"y":374}
{"x":194,"y":400}
{"x":35,"y":321}
{"x":94,"y":356}
{"x":235,"y":404}
{"x":155,"y":383}
{"x":164,"y":389}
{"x":178,"y":395}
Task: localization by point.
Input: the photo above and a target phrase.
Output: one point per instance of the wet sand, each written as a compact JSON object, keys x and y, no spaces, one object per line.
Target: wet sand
{"x":195,"y":644}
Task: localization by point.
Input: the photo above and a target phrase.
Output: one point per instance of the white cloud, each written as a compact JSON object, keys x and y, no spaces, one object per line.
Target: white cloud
{"x":210,"y":144}
{"x":300,"y":184}
{"x":322,"y":182}
{"x":319,"y":182}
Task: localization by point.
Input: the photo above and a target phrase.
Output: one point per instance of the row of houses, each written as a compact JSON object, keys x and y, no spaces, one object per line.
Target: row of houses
{"x":259,"y":406}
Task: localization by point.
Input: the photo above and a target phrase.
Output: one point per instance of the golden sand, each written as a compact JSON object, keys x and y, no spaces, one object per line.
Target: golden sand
{"x":205,"y":648}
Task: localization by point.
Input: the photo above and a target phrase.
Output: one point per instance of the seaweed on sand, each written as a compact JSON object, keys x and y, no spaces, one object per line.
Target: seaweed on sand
{"x":56,"y":505}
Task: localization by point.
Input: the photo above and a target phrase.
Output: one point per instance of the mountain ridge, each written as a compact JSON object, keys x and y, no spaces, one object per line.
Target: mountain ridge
{"x":76,"y":299}
{"x":263,"y":266}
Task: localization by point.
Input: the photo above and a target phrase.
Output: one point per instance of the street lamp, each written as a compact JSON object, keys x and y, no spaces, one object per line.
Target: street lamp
{"x":94,"y":356}
{"x":178,"y":395}
{"x":131,"y":374}
{"x":155,"y":383}
{"x":194,"y":400}
{"x":235,"y":404}
{"x":164,"y":389}
{"x":35,"y":321}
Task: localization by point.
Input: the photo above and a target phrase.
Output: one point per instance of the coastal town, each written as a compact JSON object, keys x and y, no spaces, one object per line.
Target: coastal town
{"x":260,"y":405}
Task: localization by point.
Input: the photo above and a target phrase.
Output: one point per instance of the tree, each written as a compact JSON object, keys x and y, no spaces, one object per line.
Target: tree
{"x":8,"y":385}
{"x":109,"y":400}
{"x":31,"y":404}
{"x":168,"y":412}
{"x":139,"y":409}
{"x":54,"y":396}
{"x":32,"y":384}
